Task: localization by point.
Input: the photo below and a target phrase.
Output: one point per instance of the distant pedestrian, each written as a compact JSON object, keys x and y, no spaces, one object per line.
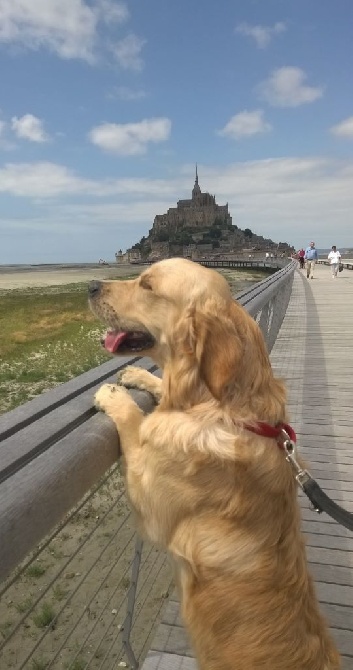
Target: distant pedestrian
{"x":311,"y":257}
{"x":301,"y":254}
{"x":334,"y":257}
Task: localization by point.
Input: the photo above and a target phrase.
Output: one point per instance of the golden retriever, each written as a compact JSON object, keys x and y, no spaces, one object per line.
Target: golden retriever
{"x":221,"y":499}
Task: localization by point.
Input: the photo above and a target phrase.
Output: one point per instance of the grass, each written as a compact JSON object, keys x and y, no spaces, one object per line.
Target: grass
{"x":24,"y":606}
{"x":59,"y":593}
{"x":38,"y":664}
{"x":78,"y":664}
{"x":45,"y":616}
{"x":36,"y":570}
{"x":5,"y":627}
{"x":47,"y":336}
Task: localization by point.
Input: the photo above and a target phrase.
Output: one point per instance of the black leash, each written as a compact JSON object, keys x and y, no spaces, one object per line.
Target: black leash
{"x":322,"y":503}
{"x":286,"y":439}
{"x":318,"y":498}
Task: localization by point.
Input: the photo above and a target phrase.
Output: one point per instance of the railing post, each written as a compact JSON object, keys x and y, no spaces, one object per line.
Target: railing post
{"x":127,"y":625}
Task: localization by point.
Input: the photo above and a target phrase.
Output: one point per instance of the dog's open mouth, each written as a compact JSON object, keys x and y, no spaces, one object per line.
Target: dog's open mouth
{"x":118,"y":340}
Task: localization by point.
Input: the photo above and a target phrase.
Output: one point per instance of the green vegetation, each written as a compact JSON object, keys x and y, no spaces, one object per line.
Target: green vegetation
{"x":78,"y":664}
{"x":24,"y":606}
{"x":162,"y":236}
{"x":45,"y":616}
{"x":47,"y":336}
{"x":36,"y":570}
{"x":215,"y":232}
{"x":59,"y":593}
{"x":184,"y":236}
{"x":38,"y":664}
{"x":5,"y":627}
{"x":143,"y":246}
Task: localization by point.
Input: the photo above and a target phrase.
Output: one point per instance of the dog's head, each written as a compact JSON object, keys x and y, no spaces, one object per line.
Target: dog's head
{"x":184,"y":317}
{"x":141,"y":314}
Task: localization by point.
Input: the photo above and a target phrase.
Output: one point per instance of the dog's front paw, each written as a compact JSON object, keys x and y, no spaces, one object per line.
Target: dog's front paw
{"x":106,"y":396}
{"x":111,"y":399}
{"x":131,"y":377}
{"x":137,"y":378}
{"x":118,"y":404}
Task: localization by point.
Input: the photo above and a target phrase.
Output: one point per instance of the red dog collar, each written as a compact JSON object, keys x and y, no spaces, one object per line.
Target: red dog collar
{"x":277,"y":433}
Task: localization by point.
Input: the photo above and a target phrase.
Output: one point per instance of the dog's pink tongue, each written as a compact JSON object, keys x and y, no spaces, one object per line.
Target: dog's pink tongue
{"x":113,"y":340}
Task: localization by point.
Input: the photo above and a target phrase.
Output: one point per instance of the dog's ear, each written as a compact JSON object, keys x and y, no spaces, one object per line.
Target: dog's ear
{"x":219,"y":346}
{"x":206,"y":353}
{"x":216,"y":347}
{"x":234,"y":362}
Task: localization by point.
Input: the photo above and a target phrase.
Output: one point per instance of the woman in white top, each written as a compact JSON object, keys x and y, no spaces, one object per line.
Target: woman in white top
{"x":334,"y":257}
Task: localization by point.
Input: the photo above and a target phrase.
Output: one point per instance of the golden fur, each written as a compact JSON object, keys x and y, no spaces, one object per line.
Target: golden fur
{"x":220,"y":499}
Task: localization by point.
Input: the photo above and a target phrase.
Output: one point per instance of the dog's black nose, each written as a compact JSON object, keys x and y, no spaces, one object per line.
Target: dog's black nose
{"x":94,"y":288}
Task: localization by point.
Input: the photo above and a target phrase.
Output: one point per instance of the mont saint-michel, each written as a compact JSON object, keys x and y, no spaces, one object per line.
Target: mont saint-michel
{"x":197,"y":228}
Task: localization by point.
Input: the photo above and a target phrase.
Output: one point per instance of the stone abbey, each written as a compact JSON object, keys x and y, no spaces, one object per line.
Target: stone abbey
{"x":197,"y":228}
{"x":200,"y":212}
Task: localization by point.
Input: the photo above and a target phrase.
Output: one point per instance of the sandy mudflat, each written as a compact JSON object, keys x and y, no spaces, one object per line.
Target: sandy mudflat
{"x":57,"y":277}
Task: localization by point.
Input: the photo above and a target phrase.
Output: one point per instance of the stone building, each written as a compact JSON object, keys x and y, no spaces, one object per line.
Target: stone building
{"x":200,"y":212}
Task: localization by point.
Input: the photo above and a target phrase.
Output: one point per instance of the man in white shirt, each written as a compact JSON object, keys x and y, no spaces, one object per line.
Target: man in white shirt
{"x":334,"y":257}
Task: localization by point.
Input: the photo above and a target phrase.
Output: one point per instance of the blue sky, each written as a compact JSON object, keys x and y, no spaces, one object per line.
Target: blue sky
{"x":105,"y":106}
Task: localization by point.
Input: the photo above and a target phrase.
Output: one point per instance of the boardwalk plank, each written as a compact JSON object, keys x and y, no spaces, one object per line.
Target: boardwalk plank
{"x":331,"y":574}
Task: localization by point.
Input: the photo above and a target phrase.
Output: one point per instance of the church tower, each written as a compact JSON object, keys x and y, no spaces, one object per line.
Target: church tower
{"x":196,"y":191}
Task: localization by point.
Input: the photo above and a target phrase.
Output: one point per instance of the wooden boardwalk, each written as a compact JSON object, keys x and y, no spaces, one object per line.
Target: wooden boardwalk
{"x":314,"y":353}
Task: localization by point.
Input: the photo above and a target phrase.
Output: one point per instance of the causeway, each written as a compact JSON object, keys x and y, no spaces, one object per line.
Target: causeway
{"x":314,"y":354}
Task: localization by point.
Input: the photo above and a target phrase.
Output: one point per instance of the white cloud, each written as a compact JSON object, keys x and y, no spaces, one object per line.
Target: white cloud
{"x":261,"y":34}
{"x":45,"y":180}
{"x":245,"y":124}
{"x":127,"y":52}
{"x":286,"y":87}
{"x":65,"y":27}
{"x":39,"y":180}
{"x":130,"y":139}
{"x":29,"y":127}
{"x":344,"y":129}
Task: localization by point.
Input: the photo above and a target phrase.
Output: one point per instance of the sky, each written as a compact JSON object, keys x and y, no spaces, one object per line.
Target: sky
{"x":107,"y":105}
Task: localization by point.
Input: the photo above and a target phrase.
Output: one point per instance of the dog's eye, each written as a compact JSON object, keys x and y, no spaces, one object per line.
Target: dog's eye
{"x":145,"y":283}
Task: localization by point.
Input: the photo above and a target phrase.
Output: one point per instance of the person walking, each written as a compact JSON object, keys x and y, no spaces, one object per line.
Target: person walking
{"x":311,"y":258}
{"x":301,"y":254}
{"x":334,"y":257}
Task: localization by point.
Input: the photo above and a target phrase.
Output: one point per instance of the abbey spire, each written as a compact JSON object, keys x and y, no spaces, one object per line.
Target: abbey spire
{"x":196,"y":191}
